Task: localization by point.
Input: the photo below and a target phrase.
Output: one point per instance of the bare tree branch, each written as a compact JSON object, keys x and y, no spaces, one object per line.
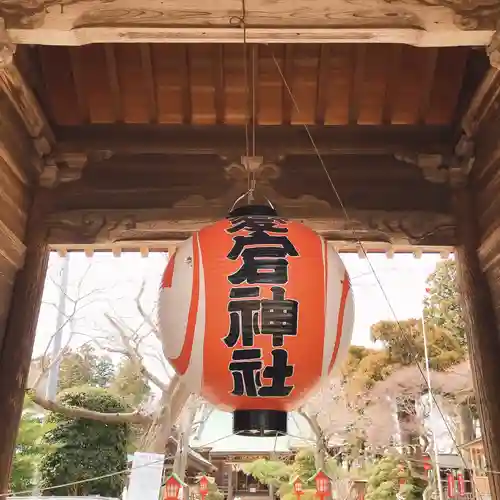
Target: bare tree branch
{"x":74,"y":412}
{"x":133,"y":354}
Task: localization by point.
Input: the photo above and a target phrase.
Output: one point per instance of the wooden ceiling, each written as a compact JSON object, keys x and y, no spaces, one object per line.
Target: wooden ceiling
{"x":204,"y":84}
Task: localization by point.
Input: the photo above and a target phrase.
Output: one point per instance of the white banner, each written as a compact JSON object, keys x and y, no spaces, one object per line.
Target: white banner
{"x":145,"y":476}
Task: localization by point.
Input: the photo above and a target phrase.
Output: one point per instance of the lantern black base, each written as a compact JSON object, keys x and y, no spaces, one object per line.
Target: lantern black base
{"x":253,"y":210}
{"x":260,"y":423}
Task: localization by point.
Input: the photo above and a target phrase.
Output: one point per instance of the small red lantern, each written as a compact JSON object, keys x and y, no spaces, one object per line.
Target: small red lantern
{"x":203,"y":486}
{"x":297,"y":488}
{"x":172,"y":486}
{"x":255,"y":311}
{"x":322,"y":483}
{"x":427,"y":462}
{"x":461,"y":484}
{"x":451,"y":485}
{"x":401,"y":469}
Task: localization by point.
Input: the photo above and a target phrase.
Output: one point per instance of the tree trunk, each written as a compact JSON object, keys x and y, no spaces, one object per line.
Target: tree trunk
{"x":407,"y":415}
{"x":466,"y":422}
{"x":171,"y":405}
{"x":482,"y":331}
{"x":17,"y":346}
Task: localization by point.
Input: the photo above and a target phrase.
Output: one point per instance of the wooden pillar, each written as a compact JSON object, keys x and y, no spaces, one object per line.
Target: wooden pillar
{"x":482,"y":330}
{"x":17,"y":346}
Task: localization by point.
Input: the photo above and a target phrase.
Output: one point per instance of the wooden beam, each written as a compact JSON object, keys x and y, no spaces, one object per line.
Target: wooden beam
{"x":80,"y":228}
{"x":17,"y":345}
{"x":138,"y":33}
{"x":168,"y":246}
{"x":270,"y":140}
{"x":482,"y":332}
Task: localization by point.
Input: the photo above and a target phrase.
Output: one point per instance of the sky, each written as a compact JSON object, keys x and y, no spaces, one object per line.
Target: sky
{"x":104,"y":284}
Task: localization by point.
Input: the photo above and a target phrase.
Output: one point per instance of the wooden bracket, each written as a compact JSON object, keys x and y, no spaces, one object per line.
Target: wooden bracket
{"x":7,"y":48}
{"x":432,"y":165}
{"x":440,"y":169}
{"x":64,"y":167}
{"x":493,"y":50}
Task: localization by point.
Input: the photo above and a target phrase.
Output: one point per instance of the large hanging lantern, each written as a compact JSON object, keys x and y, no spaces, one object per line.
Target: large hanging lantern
{"x":254,"y":312}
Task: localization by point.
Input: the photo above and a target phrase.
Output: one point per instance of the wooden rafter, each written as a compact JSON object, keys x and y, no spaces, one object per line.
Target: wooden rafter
{"x":339,"y":84}
{"x":271,"y":140}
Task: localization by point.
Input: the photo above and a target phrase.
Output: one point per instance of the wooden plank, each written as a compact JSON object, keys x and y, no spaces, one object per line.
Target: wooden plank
{"x":201,"y":85}
{"x":341,"y":71}
{"x":185,"y":72}
{"x":230,"y":140}
{"x":170,"y":85}
{"x":114,"y":85}
{"x":59,"y":85}
{"x":147,"y":68}
{"x":448,"y":79}
{"x":19,"y":337}
{"x":236,"y":97}
{"x":323,"y":69}
{"x":304,"y":80}
{"x":219,"y":85}
{"x":78,"y":62}
{"x":12,"y":249}
{"x":392,"y":82}
{"x":358,"y":76}
{"x":427,"y":82}
{"x":373,"y":85}
{"x":407,"y":94}
{"x":286,"y":71}
{"x":134,"y":93}
{"x":270,"y":85}
{"x":12,"y":214}
{"x":92,"y":83}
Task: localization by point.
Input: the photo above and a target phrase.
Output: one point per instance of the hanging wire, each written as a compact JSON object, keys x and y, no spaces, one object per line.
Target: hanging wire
{"x":365,"y":253}
{"x":250,"y":99}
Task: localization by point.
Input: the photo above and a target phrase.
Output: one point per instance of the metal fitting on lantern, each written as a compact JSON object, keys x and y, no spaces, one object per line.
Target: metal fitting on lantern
{"x":255,"y":210}
{"x":260,"y":422}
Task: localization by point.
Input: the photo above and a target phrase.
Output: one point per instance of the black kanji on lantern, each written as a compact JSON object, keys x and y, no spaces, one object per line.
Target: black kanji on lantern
{"x":257,"y":223}
{"x":279,"y":316}
{"x":243,"y":316}
{"x":278,"y":372}
{"x":250,"y":316}
{"x":264,"y":254}
{"x":246,"y":368}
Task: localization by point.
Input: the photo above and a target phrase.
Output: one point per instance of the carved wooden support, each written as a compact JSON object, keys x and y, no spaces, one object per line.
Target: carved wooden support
{"x":443,"y":169}
{"x":64,"y":167}
{"x":177,"y":223}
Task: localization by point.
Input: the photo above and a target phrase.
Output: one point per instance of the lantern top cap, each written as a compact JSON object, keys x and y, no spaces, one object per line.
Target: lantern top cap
{"x":295,"y":479}
{"x":176,"y":478}
{"x":321,"y":474}
{"x":253,"y":210}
